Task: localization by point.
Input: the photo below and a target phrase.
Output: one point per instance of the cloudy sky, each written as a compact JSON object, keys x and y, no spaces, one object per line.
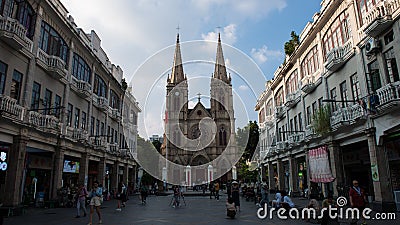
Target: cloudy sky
{"x":139,"y":35}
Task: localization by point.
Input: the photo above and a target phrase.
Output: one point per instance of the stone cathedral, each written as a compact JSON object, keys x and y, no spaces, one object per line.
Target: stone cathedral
{"x":184,"y":126}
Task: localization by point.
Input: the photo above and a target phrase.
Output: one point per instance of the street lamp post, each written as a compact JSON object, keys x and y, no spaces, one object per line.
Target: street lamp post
{"x":234,"y":173}
{"x":140,"y":175}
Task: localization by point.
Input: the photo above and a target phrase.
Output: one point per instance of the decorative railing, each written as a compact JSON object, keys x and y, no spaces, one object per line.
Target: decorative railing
{"x":98,"y":142}
{"x":82,"y":86}
{"x":308,"y":83}
{"x":100,"y":102}
{"x":52,"y":62}
{"x":43,"y":121}
{"x":114,"y":113}
{"x":346,"y":115}
{"x":77,"y":134}
{"x":280,"y":111}
{"x":12,"y":26}
{"x":309,"y":132}
{"x":281,"y":145}
{"x":29,"y":45}
{"x":11,"y":107}
{"x":296,"y":138}
{"x":113,"y":147}
{"x":269,"y":120}
{"x":293,"y":98}
{"x":389,"y":93}
{"x":384,"y":11}
{"x":336,"y":57}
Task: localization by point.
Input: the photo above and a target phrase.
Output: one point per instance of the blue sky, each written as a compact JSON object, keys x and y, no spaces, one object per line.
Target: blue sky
{"x":134,"y":31}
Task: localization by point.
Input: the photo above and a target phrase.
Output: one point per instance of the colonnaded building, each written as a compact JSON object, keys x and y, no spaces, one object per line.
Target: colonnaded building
{"x":66,"y":114}
{"x":331,"y":112}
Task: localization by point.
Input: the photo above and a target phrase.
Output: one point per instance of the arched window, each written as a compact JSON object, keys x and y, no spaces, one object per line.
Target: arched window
{"x":100,"y":87}
{"x":269,"y":107}
{"x":25,"y":16}
{"x":291,"y":83}
{"x":279,"y":97}
{"x":337,"y":34}
{"x":310,"y":63}
{"x":364,"y":7}
{"x":80,"y":69}
{"x":52,"y":43}
{"x":222,"y":136}
{"x":114,"y":100}
{"x":221,"y":99}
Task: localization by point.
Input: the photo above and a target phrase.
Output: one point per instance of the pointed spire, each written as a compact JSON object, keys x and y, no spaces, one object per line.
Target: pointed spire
{"x":220,"y":69}
{"x":177,"y":74}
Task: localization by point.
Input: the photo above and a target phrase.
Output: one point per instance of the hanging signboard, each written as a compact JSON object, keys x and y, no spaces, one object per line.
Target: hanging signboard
{"x":375,"y":173}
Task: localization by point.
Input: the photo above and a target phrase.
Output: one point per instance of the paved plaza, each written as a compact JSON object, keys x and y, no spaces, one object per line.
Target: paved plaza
{"x":198,"y":210}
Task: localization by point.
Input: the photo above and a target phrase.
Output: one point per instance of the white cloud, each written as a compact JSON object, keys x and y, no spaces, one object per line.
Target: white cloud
{"x":228,"y":35}
{"x":262,"y":54}
{"x":243,"y":87}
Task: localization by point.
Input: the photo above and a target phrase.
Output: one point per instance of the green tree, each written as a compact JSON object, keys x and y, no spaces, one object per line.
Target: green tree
{"x":322,"y":120}
{"x":247,"y":139}
{"x":290,"y":46}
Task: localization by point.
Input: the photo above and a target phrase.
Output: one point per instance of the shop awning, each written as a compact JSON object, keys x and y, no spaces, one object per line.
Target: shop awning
{"x":320,"y":171}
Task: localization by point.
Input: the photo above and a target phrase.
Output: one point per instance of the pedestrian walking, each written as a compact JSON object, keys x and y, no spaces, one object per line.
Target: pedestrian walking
{"x":236,"y":195}
{"x":229,"y":188}
{"x":216,"y":187}
{"x":230,"y":208}
{"x":143,"y":193}
{"x":118,"y":195}
{"x":212,"y":189}
{"x":81,"y":195}
{"x":96,"y":200}
{"x":358,"y":200}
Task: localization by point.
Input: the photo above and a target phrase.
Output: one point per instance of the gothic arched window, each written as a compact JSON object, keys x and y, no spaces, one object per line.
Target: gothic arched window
{"x":222,"y":136}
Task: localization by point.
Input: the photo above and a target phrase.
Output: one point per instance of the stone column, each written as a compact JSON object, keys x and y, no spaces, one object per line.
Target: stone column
{"x":281,"y":175}
{"x":271,"y":181}
{"x":58,"y":170}
{"x":15,"y":170}
{"x":336,"y":162}
{"x":114,"y":176}
{"x":308,"y":170}
{"x":84,"y":168}
{"x":378,"y":158}
{"x":292,"y":174}
{"x":102,"y":171}
{"x":126,"y":173}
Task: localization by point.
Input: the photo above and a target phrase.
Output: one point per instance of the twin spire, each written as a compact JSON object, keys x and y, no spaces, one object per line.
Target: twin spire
{"x":177,"y":74}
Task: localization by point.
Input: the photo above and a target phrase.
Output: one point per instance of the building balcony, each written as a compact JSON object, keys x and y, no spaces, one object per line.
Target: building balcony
{"x":100,"y":102}
{"x":281,"y":146}
{"x":293,"y":98}
{"x":99,"y":143}
{"x":346,"y":116}
{"x":12,"y":32}
{"x":308,"y":84}
{"x":76,"y":134}
{"x":280,"y":112}
{"x":9,"y":108}
{"x":114,"y":114}
{"x":113,"y":148}
{"x":295,"y":138}
{"x":42,"y":122}
{"x":389,"y":97}
{"x":82,"y":88}
{"x":309,"y":132}
{"x":270,"y":120}
{"x":380,"y":18}
{"x":54,"y":65}
{"x":337,"y":57}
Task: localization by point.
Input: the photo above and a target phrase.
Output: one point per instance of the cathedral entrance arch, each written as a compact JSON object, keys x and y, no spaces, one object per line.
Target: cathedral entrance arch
{"x":200,"y":173}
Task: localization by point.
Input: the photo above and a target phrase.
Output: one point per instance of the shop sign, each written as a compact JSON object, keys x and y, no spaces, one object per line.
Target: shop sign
{"x":3,"y":163}
{"x":71,"y":166}
{"x":39,"y":162}
{"x":374,"y":171}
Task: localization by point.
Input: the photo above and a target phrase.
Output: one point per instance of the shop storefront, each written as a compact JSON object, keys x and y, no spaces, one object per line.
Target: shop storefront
{"x":392,"y":147}
{"x":70,"y":177}
{"x":92,"y":172}
{"x":37,"y":177}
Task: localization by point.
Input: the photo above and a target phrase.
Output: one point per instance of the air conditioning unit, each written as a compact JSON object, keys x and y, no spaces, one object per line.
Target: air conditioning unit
{"x":372,"y":46}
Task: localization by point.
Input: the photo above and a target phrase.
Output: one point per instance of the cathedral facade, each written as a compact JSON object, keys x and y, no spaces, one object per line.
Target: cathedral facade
{"x":200,"y":137}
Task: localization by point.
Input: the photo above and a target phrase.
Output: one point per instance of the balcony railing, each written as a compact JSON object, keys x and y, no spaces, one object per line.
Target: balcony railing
{"x":52,"y":64}
{"x":100,"y":102}
{"x":338,"y":56}
{"x":41,"y":121}
{"x":76,"y":134}
{"x":114,"y":114}
{"x":296,"y":138}
{"x":309,"y":132}
{"x":113,"y":148}
{"x":308,"y":84}
{"x":12,"y":32}
{"x":280,"y":111}
{"x":347,"y":115}
{"x":82,"y":88}
{"x":10,"y":108}
{"x":389,"y":96}
{"x":99,"y":143}
{"x":281,"y":145}
{"x":380,"y":17}
{"x":270,"y":120}
{"x":293,"y":98}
